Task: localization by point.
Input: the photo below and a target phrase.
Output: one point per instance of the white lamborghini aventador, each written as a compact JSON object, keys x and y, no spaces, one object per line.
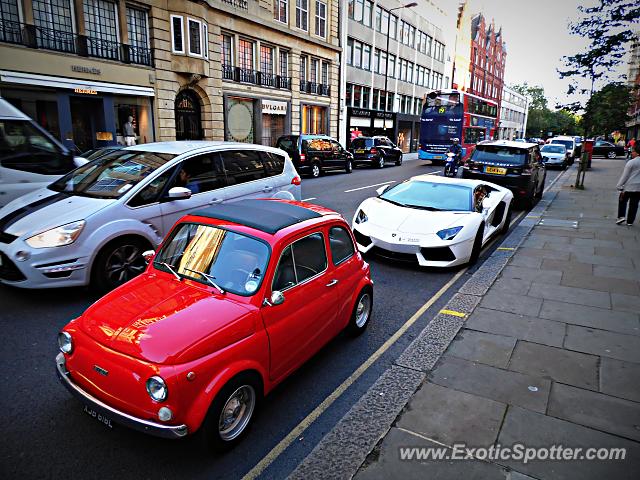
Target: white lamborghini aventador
{"x":440,"y":222}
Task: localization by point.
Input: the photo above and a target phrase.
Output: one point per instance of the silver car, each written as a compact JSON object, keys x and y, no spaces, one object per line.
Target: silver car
{"x":92,"y":225}
{"x":555,"y":155}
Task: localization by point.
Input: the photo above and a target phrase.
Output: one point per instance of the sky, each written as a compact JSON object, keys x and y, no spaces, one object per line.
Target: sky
{"x":537,"y":37}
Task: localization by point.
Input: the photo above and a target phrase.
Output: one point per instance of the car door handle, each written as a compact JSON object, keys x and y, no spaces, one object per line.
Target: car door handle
{"x":215,"y":201}
{"x":332,"y":283}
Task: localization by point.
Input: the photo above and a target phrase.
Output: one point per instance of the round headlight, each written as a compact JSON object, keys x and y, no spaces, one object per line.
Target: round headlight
{"x":65,"y":343}
{"x":157,"y":389}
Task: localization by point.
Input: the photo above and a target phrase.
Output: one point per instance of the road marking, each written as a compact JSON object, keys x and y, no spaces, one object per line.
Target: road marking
{"x":308,"y":199}
{"x":295,"y":433}
{"x":505,"y":248}
{"x":369,"y":186}
{"x":434,"y":173}
{"x":327,"y":402}
{"x":453,"y":313}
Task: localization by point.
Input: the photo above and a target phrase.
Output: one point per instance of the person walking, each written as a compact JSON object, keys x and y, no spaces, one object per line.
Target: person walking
{"x":629,"y":186}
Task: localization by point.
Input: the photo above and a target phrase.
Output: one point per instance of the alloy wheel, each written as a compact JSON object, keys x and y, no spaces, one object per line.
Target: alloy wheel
{"x":315,"y":170}
{"x":124,"y":263}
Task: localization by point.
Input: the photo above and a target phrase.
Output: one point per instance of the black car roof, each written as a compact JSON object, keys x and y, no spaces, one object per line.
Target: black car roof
{"x":268,"y":216}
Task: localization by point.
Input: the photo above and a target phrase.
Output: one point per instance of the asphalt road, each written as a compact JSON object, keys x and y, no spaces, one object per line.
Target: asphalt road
{"x":46,"y":434}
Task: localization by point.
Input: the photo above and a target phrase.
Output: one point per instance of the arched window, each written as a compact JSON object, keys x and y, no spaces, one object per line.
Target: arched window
{"x":188,"y":122}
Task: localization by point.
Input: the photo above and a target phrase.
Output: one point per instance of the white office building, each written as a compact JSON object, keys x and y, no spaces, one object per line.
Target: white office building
{"x":513,"y":115}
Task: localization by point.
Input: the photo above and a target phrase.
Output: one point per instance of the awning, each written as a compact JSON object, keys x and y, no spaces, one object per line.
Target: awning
{"x":74,"y":83}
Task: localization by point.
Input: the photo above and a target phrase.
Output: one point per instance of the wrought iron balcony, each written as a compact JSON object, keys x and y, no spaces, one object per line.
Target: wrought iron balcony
{"x":314,"y":88}
{"x":33,"y":36}
{"x":243,"y":75}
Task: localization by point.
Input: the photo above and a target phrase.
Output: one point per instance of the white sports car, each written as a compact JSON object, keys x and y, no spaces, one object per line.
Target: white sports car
{"x":438,"y":221}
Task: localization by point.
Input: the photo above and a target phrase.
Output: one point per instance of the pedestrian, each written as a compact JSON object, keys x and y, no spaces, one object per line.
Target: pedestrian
{"x":629,"y":186}
{"x":630,"y":146}
{"x":129,"y":133}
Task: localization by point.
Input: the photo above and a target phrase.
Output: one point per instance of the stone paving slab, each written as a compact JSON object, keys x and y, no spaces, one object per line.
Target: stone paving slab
{"x":511,"y":285}
{"x":507,"y":302}
{"x":556,"y":364}
{"x":603,"y":343}
{"x":591,"y":409}
{"x":501,"y":385}
{"x":525,"y":261}
{"x":487,"y":348}
{"x":617,"y":272}
{"x":603,"y":284}
{"x":615,"y":252}
{"x":620,"y":379}
{"x":566,"y":266}
{"x":530,"y":275}
{"x":601,"y":318}
{"x":453,"y":416}
{"x":540,"y":253}
{"x":534,"y":429}
{"x":628,"y":303}
{"x":524,"y":327}
{"x":580,"y":296}
{"x":601,"y":260}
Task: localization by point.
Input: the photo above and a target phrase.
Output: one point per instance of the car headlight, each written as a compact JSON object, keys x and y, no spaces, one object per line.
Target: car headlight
{"x":65,"y":343}
{"x":57,"y":237}
{"x":361,"y":217}
{"x":448,"y":233}
{"x":157,"y":389}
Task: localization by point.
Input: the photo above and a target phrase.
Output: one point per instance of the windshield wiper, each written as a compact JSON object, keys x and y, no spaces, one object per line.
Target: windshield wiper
{"x":170,"y":268}
{"x":393,"y":202}
{"x":209,"y":278}
{"x":421,"y":207}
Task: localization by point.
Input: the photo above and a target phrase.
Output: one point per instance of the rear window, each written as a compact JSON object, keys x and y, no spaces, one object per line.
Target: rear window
{"x":361,"y":143}
{"x":490,"y":153}
{"x":551,"y":148}
{"x":288,"y":144}
{"x":316,"y":145}
{"x":273,"y":163}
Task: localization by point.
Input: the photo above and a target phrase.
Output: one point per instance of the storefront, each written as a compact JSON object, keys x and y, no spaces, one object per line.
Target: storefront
{"x":408,"y":136}
{"x":314,"y":119}
{"x":364,"y":122}
{"x":82,"y":114}
{"x":255,"y":120}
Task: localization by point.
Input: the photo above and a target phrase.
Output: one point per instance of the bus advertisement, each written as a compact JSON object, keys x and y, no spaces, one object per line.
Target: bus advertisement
{"x":449,"y":114}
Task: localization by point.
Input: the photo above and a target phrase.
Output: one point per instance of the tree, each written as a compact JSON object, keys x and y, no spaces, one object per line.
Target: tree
{"x":541,"y":119}
{"x":535,"y":93}
{"x":606,"y":110}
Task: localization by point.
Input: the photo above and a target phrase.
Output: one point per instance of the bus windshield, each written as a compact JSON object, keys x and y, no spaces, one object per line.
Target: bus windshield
{"x":436,"y":100}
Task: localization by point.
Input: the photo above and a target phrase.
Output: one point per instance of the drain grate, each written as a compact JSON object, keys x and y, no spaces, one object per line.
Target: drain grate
{"x":556,"y":222}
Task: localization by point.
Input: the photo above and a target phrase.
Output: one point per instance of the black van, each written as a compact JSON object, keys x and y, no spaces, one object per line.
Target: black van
{"x":314,"y":154}
{"x":375,"y":151}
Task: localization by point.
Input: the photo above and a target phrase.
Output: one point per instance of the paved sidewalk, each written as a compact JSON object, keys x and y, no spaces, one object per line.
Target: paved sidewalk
{"x":548,"y":354}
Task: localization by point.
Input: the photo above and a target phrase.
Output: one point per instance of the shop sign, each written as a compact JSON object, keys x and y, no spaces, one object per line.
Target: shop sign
{"x":85,"y":91}
{"x":360,"y":112}
{"x":272,"y":107}
{"x":83,"y":69}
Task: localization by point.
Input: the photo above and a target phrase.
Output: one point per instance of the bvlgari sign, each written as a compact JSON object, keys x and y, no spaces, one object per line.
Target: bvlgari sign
{"x":274,"y":108}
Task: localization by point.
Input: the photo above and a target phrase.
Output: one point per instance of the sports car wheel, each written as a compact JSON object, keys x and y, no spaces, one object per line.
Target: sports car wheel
{"x":477,"y":246}
{"x":380,"y":163}
{"x":611,"y":154}
{"x":361,"y":313}
{"x":399,"y":161}
{"x":316,"y":170}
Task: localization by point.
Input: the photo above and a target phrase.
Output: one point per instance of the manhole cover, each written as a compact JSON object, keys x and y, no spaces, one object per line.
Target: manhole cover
{"x":555,"y":222}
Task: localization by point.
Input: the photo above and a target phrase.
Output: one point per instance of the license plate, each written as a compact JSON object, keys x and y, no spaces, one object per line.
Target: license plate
{"x":359,"y":151}
{"x":499,"y":171}
{"x":438,"y":157}
{"x":98,"y":416}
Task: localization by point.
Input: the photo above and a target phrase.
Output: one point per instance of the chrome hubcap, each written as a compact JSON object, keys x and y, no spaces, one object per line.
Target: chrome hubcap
{"x":237,"y":412}
{"x":363,"y":310}
{"x":124,"y":263}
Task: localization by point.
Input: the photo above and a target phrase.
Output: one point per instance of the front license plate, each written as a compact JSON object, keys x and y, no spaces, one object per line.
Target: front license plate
{"x":497,"y":170}
{"x":359,"y":151}
{"x":98,"y":416}
{"x":438,"y":157}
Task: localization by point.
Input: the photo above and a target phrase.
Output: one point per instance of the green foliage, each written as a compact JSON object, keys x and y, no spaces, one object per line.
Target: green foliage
{"x":607,"y":109}
{"x":541,"y":119}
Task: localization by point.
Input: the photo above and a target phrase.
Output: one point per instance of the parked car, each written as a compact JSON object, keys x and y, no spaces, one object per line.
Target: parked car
{"x":236,"y":299}
{"x":554,"y":155}
{"x":92,"y":225}
{"x":315,"y":154}
{"x":30,"y":157}
{"x":517,"y":166}
{"x":573,"y":149}
{"x":436,"y":221}
{"x":375,"y":151}
{"x":608,"y":149}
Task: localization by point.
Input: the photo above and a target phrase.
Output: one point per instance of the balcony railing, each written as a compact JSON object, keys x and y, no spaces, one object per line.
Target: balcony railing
{"x":33,"y":36}
{"x":241,"y":4}
{"x":243,"y":75}
{"x":314,"y":88}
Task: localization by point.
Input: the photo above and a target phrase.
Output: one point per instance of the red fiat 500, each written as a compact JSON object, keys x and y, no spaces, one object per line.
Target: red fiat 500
{"x":237,"y":297}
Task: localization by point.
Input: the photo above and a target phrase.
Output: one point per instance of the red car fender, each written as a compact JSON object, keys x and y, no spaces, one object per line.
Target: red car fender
{"x":364,"y":282}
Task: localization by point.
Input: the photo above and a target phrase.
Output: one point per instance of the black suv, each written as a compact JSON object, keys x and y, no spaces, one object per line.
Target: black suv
{"x":515,"y":165}
{"x":314,"y":154}
{"x":375,"y":151}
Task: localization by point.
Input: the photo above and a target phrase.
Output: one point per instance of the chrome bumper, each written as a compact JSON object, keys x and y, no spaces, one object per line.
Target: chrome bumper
{"x":145,"y":426}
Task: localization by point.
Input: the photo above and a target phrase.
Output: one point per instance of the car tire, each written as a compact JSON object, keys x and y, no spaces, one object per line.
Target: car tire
{"x":611,"y":154}
{"x":243,"y":391}
{"x":361,"y":312}
{"x":507,"y":221}
{"x":316,"y":169}
{"x":477,"y":246}
{"x":348,"y":167}
{"x":399,"y":160}
{"x":118,"y":262}
{"x":380,"y":163}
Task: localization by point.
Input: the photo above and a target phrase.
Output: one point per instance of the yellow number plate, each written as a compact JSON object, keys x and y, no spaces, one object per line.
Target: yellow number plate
{"x":359,"y":151}
{"x":499,"y":171}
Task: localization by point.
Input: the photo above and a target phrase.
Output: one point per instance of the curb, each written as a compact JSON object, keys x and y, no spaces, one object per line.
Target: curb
{"x":345,"y":448}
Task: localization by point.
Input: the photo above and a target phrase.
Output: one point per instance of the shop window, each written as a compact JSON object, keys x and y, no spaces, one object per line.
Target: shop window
{"x":101,"y":28}
{"x":195,"y":40}
{"x":280,"y":10}
{"x":177,"y":36}
{"x":302,"y":14}
{"x":314,"y":119}
{"x":272,"y":128}
{"x":140,"y":109}
{"x":321,"y":19}
{"x":240,"y":120}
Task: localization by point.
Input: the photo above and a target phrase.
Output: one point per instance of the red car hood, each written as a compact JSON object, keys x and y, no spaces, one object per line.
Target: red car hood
{"x":162,"y":320}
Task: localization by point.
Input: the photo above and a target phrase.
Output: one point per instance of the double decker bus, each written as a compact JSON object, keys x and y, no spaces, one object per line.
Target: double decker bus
{"x":449,"y":114}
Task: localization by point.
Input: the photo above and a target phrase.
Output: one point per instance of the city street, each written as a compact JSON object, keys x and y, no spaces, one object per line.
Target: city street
{"x":46,"y":433}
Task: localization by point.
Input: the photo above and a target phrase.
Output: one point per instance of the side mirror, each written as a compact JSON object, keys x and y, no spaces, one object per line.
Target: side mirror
{"x":383,"y":189}
{"x":277,"y":298}
{"x":179,"y":193}
{"x":148,"y":255}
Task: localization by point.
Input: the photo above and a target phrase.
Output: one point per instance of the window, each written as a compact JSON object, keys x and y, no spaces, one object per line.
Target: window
{"x":200,"y":174}
{"x":138,"y":34}
{"x":53,"y":15}
{"x":151,"y":193}
{"x":393,"y":29}
{"x":325,"y":73}
{"x":378,"y":21}
{"x":195,"y":41}
{"x":273,"y":163}
{"x":341,"y":245}
{"x":245,"y":54}
{"x":302,"y":14}
{"x":101,"y":28}
{"x":357,"y":95}
{"x":303,"y":67}
{"x":349,"y":95}
{"x":309,"y":257}
{"x":385,"y":23}
{"x":365,"y":96}
{"x":359,"y":10}
{"x":280,"y":10}
{"x":366,"y":14}
{"x":266,"y":59}
{"x":410,"y":72}
{"x":357,"y":54}
{"x":242,"y":166}
{"x":392,"y":65}
{"x":313,"y":72}
{"x":376,"y":61}
{"x":349,"y":51}
{"x":366,"y":57}
{"x":227,"y":52}
{"x":321,"y":19}
{"x":284,"y":63}
{"x":412,"y":36}
{"x":176,"y":34}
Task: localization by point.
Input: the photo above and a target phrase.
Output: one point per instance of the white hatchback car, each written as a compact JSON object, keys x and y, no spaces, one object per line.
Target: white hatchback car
{"x":92,"y":225}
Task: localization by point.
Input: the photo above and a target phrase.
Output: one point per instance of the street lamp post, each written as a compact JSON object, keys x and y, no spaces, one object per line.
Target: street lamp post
{"x":386,"y":68}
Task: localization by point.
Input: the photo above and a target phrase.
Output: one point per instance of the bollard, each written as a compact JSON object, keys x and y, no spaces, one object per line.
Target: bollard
{"x":582,"y":169}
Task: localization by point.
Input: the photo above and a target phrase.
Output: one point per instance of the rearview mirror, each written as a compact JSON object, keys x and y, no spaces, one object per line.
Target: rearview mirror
{"x":148,"y":255}
{"x":277,"y":298}
{"x":179,"y":193}
{"x":383,"y":189}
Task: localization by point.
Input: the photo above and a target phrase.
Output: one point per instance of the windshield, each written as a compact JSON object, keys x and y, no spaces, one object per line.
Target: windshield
{"x":235,"y":262}
{"x":553,"y":149}
{"x":112,"y":175}
{"x":489,"y":153}
{"x":288,"y":144}
{"x":440,"y":99}
{"x":566,"y":143}
{"x":430,"y":196}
